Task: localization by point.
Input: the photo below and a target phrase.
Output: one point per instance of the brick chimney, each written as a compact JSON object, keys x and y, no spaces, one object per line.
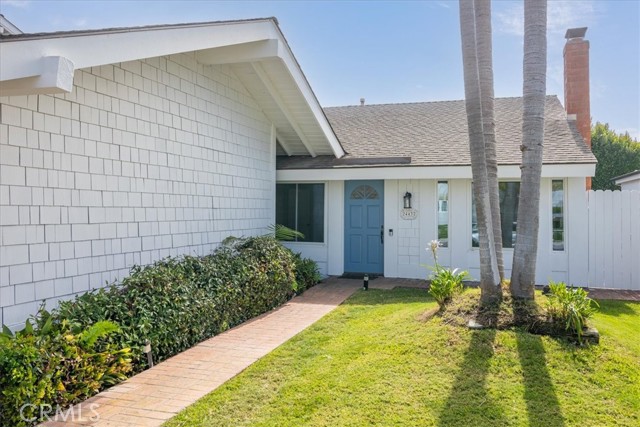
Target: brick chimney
{"x":576,"y":82}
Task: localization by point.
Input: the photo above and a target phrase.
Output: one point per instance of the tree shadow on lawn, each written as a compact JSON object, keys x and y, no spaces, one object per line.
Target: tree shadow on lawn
{"x":469,"y":402}
{"x":543,"y":408}
{"x":542,"y":403}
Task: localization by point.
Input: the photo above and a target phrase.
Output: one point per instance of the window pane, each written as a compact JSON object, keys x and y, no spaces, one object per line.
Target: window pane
{"x":286,"y":205}
{"x":557,"y":212}
{"x":443,"y":213}
{"x":311,"y":212}
{"x":509,"y":195}
{"x":364,"y":192}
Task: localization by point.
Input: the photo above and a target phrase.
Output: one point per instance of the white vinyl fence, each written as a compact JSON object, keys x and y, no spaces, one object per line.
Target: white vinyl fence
{"x":614,"y":239}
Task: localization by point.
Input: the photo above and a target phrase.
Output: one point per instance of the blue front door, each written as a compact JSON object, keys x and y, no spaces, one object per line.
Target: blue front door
{"x":364,"y":229}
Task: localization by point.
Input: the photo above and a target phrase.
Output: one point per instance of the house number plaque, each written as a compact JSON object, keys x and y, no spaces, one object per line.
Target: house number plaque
{"x":408,"y":214}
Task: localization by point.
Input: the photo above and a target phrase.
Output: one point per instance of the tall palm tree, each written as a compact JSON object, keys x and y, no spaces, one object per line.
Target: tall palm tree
{"x":534,"y":90}
{"x":484,"y":51}
{"x":489,"y":273}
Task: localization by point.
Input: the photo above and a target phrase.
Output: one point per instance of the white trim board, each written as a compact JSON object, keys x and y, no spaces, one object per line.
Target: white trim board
{"x":426,"y":172}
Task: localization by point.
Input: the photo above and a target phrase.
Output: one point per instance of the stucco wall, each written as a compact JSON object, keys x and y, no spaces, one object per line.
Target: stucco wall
{"x":140,"y":161}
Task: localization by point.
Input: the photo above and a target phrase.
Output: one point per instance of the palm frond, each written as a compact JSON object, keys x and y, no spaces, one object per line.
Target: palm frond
{"x":281,"y":232}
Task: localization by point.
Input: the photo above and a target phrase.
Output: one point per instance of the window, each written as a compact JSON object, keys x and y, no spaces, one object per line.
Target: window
{"x":364,"y":192}
{"x":557,"y":214}
{"x":509,"y":194}
{"x":301,"y":207}
{"x":443,"y":213}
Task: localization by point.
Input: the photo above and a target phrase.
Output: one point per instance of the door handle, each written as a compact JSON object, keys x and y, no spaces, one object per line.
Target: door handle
{"x":382,"y":234}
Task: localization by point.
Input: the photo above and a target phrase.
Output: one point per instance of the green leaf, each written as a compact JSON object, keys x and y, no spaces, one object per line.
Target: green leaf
{"x":28,"y":327}
{"x":96,"y":331}
{"x":6,"y":331}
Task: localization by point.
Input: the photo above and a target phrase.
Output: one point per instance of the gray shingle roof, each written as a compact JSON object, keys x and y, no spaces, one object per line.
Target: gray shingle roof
{"x":435,"y":134}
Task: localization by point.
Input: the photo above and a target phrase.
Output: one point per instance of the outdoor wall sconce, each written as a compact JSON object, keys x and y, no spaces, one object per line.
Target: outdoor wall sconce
{"x":407,"y":200}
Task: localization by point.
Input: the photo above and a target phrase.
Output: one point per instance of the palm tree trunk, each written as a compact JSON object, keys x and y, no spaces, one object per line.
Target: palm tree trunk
{"x":485,"y":72}
{"x":523,"y":274}
{"x":489,"y":274}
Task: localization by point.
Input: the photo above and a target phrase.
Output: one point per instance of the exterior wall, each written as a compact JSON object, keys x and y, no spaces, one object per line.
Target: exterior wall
{"x":631,"y":185}
{"x":405,"y":251}
{"x":140,"y":161}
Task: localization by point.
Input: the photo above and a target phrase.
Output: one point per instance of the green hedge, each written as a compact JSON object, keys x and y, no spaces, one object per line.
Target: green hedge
{"x":174,"y":303}
{"x":307,"y":273}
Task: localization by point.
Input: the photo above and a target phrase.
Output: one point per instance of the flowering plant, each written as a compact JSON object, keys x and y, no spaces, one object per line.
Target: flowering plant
{"x":445,"y":283}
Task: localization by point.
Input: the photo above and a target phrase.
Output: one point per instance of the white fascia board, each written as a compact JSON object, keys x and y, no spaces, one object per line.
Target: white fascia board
{"x":305,"y":88}
{"x":20,"y":57}
{"x":424,"y":172}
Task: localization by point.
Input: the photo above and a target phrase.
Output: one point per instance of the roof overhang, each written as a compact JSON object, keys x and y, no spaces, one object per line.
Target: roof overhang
{"x":256,"y":50}
{"x":627,"y":177}
{"x":426,"y":172}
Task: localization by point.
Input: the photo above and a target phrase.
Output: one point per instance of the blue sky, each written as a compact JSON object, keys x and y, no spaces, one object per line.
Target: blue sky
{"x":395,"y":51}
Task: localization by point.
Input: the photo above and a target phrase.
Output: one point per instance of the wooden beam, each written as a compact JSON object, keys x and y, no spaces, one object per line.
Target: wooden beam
{"x":284,"y":145}
{"x":266,"y":81}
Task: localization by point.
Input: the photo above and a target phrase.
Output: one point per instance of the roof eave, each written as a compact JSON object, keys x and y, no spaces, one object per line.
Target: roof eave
{"x":29,"y":65}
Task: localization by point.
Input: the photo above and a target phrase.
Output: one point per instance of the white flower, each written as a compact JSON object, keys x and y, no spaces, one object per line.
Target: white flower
{"x":433,"y":247}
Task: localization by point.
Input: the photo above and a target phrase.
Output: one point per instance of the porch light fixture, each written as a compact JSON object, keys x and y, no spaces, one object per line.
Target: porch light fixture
{"x":407,"y":200}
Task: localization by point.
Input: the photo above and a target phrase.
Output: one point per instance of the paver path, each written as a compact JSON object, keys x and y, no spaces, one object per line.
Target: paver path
{"x":159,"y":393}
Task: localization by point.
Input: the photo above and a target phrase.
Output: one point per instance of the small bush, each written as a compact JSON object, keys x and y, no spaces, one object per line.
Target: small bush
{"x":569,"y":307}
{"x":55,"y":364}
{"x":307,"y":273}
{"x":445,"y":283}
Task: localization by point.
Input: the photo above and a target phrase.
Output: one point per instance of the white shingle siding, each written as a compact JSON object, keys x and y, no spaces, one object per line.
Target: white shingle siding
{"x":141,"y":160}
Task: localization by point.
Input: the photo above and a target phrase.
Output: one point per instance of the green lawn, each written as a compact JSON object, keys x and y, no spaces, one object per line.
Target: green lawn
{"x":372,"y":363}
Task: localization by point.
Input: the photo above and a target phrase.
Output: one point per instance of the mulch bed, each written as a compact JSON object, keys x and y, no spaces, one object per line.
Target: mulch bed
{"x":465,"y":311}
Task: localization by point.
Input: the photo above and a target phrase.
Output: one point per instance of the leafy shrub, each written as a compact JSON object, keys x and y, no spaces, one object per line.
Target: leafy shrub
{"x":445,"y":283}
{"x":175,"y":303}
{"x":179,"y":302}
{"x":569,"y":307}
{"x":55,"y":364}
{"x":307,"y":273}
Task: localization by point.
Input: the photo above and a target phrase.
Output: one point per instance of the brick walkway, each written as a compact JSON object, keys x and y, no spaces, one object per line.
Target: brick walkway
{"x":618,"y":294}
{"x":159,"y":393}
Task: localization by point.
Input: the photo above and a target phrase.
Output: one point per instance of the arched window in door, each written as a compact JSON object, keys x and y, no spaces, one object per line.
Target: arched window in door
{"x":366,"y":192}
